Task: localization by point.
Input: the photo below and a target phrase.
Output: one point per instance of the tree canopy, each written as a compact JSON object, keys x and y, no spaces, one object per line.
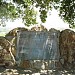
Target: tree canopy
{"x":25,"y":9}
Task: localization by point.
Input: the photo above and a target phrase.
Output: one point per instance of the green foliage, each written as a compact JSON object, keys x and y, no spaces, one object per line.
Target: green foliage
{"x":20,"y":9}
{"x":29,"y":17}
{"x":25,"y":9}
{"x":67,"y":11}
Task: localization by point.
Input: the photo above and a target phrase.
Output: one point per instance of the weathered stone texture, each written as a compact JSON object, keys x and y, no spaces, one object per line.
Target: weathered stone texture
{"x":25,"y":64}
{"x":11,"y":36}
{"x":58,"y":46}
{"x":67,"y":47}
{"x":5,"y":55}
{"x":14,"y":31}
{"x":39,"y":28}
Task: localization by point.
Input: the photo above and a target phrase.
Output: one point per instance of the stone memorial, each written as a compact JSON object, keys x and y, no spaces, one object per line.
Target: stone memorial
{"x":38,"y":45}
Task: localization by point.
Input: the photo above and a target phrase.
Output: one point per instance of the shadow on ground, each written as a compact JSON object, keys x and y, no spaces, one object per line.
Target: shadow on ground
{"x":21,"y":71}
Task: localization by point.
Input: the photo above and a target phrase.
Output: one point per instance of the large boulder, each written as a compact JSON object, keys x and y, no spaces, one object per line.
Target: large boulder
{"x":14,"y":31}
{"x":38,"y":28}
{"x":67,"y":48}
{"x":5,"y":52}
{"x":4,"y":43}
{"x":12,"y":37}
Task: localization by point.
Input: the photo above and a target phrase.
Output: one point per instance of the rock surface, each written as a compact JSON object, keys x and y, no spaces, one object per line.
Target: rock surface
{"x":12,"y":37}
{"x":67,"y":48}
{"x":66,"y":45}
{"x":38,"y":28}
{"x":5,"y":52}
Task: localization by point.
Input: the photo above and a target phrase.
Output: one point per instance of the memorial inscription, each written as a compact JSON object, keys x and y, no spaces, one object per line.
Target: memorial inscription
{"x":37,"y":45}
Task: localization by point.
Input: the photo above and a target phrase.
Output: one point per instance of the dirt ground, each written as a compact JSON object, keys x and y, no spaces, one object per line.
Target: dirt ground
{"x":20,"y":71}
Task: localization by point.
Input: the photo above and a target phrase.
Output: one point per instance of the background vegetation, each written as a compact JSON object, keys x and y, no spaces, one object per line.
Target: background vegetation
{"x":12,"y":9}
